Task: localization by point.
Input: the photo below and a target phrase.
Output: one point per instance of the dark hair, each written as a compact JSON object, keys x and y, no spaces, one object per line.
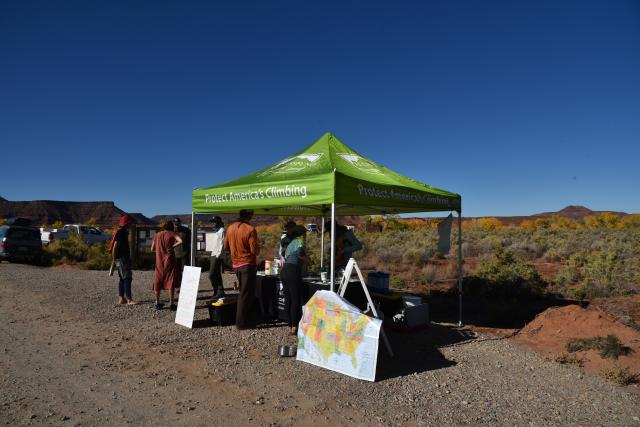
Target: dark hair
{"x":300,"y":230}
{"x":217,"y":221}
{"x":246,"y":214}
{"x":177,"y":220}
{"x":168,"y":226}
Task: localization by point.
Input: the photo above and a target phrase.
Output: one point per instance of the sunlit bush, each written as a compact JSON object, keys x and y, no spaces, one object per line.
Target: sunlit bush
{"x":72,"y":250}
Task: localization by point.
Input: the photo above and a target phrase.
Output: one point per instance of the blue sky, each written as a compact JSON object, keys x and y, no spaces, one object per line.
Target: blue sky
{"x":521,"y":107}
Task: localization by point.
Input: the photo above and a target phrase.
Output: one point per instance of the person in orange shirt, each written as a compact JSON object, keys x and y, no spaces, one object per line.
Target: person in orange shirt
{"x":242,"y":243}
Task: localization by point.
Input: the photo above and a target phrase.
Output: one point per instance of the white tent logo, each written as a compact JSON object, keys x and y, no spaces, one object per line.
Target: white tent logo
{"x":293,"y":164}
{"x":364,"y":165}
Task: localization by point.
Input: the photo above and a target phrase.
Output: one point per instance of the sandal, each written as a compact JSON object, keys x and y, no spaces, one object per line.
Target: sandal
{"x":159,"y":306}
{"x":173,"y":307}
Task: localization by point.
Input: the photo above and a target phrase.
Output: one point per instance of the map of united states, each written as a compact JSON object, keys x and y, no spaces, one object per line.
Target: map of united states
{"x":332,"y":329}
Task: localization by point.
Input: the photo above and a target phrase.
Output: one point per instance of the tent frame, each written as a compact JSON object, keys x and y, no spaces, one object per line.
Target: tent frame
{"x":333,"y":248}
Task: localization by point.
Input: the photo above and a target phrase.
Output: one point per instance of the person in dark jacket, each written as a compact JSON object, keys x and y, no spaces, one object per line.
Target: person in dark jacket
{"x":183,"y":257}
{"x":121,"y":258}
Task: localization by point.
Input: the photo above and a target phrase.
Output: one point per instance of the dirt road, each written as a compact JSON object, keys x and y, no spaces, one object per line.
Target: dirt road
{"x":70,"y":356}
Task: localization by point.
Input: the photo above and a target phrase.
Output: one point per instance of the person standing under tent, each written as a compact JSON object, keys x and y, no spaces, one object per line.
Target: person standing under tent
{"x":289,"y":226}
{"x":346,"y":243}
{"x":242,"y":242}
{"x":183,"y":257}
{"x":216,"y":260}
{"x":121,"y":258}
{"x":294,"y":258}
{"x":165,"y":275}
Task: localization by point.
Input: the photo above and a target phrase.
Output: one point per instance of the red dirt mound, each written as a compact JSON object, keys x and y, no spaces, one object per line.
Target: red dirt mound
{"x":550,"y":331}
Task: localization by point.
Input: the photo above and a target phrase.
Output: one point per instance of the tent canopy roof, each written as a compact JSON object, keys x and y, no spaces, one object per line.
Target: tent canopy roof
{"x":325,"y":172}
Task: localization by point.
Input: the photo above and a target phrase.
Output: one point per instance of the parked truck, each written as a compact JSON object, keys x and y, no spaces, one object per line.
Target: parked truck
{"x":91,"y":235}
{"x":50,"y":235}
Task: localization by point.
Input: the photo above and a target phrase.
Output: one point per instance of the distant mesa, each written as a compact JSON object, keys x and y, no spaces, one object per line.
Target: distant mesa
{"x":577,"y":212}
{"x":104,"y":213}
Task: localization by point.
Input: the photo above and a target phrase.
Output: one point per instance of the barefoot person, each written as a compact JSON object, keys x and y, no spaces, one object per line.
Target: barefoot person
{"x":121,"y":258}
{"x":166,"y":274}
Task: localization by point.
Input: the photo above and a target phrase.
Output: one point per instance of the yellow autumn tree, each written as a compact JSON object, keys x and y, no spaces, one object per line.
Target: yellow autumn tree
{"x":631,"y":221}
{"x":528,"y":224}
{"x":489,"y":224}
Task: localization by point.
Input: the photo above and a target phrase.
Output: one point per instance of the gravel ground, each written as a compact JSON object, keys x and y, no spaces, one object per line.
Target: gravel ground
{"x":70,"y":356}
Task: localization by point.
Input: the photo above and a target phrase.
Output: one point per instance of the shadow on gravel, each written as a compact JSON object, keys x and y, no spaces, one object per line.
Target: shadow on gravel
{"x":417,"y":351}
{"x":202,"y":323}
{"x":492,"y":313}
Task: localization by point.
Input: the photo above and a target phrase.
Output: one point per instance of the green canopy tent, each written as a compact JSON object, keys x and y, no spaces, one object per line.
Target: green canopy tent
{"x":325,"y":178}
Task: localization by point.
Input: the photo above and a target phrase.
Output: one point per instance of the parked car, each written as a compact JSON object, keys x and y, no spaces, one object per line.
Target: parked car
{"x":49,"y":235}
{"x":89,"y":234}
{"x":20,"y":243}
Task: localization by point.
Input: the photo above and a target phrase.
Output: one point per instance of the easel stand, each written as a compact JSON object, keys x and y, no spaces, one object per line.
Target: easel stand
{"x":370,"y":306}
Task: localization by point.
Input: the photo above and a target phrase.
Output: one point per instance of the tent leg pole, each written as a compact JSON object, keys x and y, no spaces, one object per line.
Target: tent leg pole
{"x":322,"y":243}
{"x":193,"y":239}
{"x":333,"y":245}
{"x":460,"y":268}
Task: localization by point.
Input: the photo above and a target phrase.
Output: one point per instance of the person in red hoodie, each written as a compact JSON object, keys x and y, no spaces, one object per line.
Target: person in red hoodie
{"x":242,"y":242}
{"x":121,"y":258}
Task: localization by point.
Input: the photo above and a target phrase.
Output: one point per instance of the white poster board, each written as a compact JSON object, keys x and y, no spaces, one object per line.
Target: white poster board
{"x":188,"y":296}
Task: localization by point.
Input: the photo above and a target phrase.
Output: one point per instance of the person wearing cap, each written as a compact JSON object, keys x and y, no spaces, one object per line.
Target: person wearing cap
{"x":121,"y":258}
{"x":184,"y":256}
{"x":242,"y":242}
{"x":216,"y":260}
{"x":294,"y":257}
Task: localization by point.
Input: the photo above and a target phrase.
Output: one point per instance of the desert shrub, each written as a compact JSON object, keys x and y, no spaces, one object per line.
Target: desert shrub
{"x":98,"y":257}
{"x":417,"y":257}
{"x":397,"y":282}
{"x":71,"y":250}
{"x":605,"y":220}
{"x":556,"y":254}
{"x":508,"y":275}
{"x":599,"y":274}
{"x":568,"y":359}
{"x":429,"y":274}
{"x":527,"y":249}
{"x":411,"y":257}
{"x":489,"y":224}
{"x":620,"y":376}
{"x":610,"y":346}
{"x":631,"y":221}
{"x":488,"y":244}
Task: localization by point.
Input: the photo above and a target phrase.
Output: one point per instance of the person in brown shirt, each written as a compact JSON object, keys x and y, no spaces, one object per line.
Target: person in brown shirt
{"x":242,"y":242}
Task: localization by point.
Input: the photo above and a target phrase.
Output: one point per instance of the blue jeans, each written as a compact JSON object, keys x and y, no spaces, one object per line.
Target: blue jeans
{"x":125,"y":274}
